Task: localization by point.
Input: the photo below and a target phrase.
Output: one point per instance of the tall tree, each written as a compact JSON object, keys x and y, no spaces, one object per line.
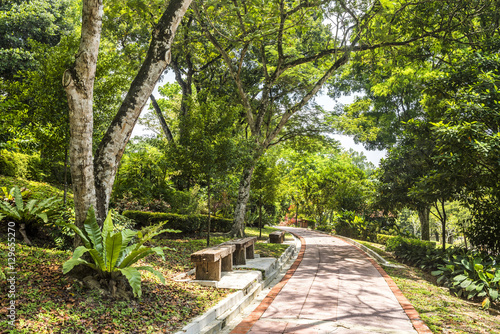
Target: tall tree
{"x":22,"y":22}
{"x":94,"y":189}
{"x":281,"y":54}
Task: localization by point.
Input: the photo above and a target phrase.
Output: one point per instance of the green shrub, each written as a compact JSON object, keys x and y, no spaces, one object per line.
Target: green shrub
{"x":470,"y":274}
{"x":382,"y":238}
{"x":325,"y":228}
{"x":188,"y":224}
{"x":352,"y":226}
{"x":13,"y":164}
{"x":115,"y":253}
{"x":412,"y":251}
{"x":28,"y":214}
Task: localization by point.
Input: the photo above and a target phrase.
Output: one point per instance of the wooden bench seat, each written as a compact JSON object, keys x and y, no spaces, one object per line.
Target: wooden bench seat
{"x":210,"y":262}
{"x":277,"y":237}
{"x":245,"y":249}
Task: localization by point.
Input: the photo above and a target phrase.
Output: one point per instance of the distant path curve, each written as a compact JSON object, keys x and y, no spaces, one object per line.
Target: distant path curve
{"x":333,"y":287}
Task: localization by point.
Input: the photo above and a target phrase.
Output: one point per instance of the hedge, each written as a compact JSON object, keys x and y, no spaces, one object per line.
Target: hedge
{"x":186,"y":223}
{"x":382,"y":238}
{"x":14,"y":164}
{"x":31,"y":167}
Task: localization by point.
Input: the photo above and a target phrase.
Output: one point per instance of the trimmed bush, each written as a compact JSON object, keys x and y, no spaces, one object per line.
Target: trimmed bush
{"x":413,"y":251}
{"x":13,"y":164}
{"x":382,"y":238}
{"x":188,"y":224}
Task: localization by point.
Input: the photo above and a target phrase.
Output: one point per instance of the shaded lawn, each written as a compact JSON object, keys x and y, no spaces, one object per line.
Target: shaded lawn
{"x":49,"y":302}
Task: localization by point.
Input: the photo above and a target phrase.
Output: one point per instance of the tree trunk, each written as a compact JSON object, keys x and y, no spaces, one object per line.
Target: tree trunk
{"x":443,"y":226}
{"x":65,"y":196}
{"x":238,"y":229}
{"x":164,"y":125}
{"x":260,"y":216}
{"x":113,"y":144}
{"x":297,"y":216}
{"x":208,"y":223}
{"x":423,"y":216}
{"x":78,"y":81}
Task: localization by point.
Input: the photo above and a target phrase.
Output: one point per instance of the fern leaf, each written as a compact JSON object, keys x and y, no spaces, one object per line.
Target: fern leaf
{"x":107,"y":226}
{"x":113,"y":249}
{"x":134,"y":279}
{"x":98,"y":259}
{"x":92,"y":229}
{"x":30,"y":205}
{"x":76,"y":259}
{"x":43,"y":216}
{"x":135,"y":256}
{"x":18,"y":198}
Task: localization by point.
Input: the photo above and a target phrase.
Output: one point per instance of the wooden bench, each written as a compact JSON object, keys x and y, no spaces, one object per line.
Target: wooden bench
{"x":244,"y":249}
{"x":210,"y":262}
{"x":277,"y":237}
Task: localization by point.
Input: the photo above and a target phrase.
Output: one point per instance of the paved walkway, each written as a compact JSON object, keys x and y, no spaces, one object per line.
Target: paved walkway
{"x":332,"y":288}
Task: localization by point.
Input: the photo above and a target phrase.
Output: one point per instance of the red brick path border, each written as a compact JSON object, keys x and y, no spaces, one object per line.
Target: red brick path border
{"x":410,"y":311}
{"x":244,"y":326}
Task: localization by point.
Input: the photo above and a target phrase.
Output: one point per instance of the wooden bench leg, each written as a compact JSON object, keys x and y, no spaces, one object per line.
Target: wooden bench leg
{"x":210,"y":271}
{"x":250,"y":252}
{"x":227,"y":263}
{"x":239,"y":257}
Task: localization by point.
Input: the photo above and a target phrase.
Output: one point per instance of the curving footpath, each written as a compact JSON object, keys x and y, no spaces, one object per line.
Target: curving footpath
{"x":332,"y":287}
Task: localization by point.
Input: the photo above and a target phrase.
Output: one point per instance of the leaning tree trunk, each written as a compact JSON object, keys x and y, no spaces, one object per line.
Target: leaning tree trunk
{"x":78,"y":81}
{"x":423,"y":216}
{"x":113,"y":144}
{"x":238,"y":229}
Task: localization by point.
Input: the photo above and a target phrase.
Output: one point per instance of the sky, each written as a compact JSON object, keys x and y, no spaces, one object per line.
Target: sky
{"x":347,"y":142}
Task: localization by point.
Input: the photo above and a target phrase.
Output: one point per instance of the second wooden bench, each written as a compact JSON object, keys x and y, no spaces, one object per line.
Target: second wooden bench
{"x":245,"y":249}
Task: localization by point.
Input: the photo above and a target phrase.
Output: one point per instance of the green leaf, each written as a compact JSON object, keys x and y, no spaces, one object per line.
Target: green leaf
{"x":107,"y":226}
{"x":127,"y":235}
{"x":437,"y":272}
{"x":71,"y":263}
{"x":30,"y":205}
{"x":75,"y":260}
{"x":471,"y":287}
{"x":98,"y":259}
{"x":459,"y":278}
{"x":134,"y":279}
{"x":466,"y":283}
{"x":113,"y":249}
{"x":493,"y":294}
{"x":18,"y":198}
{"x":92,"y":229}
{"x":82,"y":236}
{"x":43,"y":216}
{"x":135,"y":256}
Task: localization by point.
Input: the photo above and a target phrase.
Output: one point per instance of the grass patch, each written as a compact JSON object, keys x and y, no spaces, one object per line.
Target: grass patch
{"x":440,"y":310}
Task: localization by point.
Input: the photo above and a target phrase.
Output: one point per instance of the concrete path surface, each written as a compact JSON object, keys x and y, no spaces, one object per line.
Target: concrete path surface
{"x":332,"y":288}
